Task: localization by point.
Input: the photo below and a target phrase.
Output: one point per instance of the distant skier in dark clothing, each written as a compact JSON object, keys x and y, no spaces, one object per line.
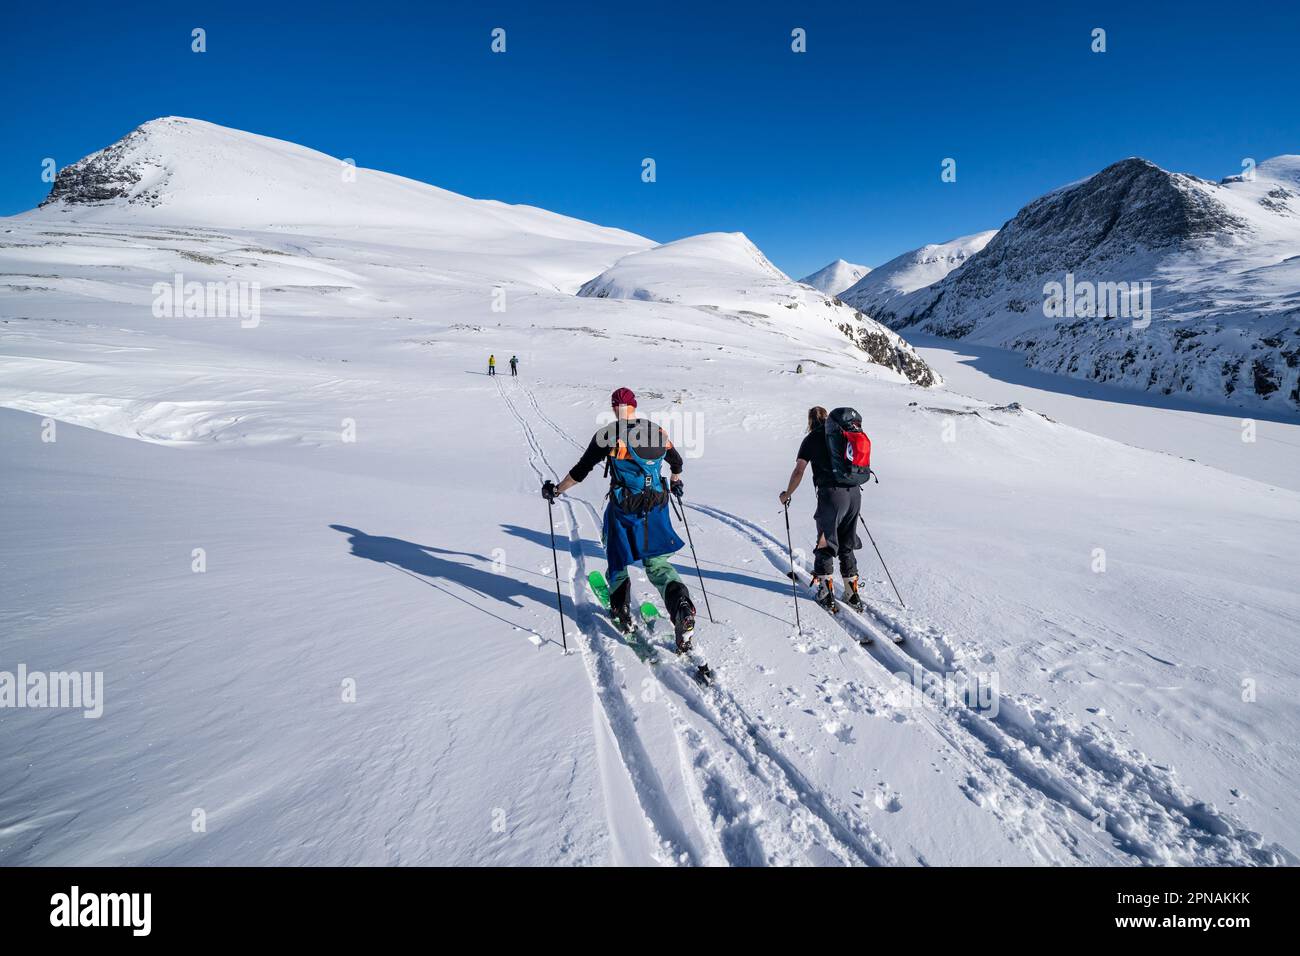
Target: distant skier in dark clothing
{"x":839,"y":496}
{"x":514,"y":366}
{"x":637,"y":526}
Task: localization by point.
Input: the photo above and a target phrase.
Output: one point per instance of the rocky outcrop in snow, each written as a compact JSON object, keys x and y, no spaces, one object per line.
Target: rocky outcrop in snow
{"x":114,"y":173}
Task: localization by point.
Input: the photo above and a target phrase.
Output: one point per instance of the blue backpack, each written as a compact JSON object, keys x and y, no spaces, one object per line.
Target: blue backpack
{"x":638,"y":484}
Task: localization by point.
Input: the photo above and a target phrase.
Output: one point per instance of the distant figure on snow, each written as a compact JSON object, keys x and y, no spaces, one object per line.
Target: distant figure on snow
{"x":514,"y":366}
{"x":798,"y":369}
{"x":492,"y":364}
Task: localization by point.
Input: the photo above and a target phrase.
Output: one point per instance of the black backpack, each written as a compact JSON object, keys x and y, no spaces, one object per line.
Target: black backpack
{"x":849,"y":447}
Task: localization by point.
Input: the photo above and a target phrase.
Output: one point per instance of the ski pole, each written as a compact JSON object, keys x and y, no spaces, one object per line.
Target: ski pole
{"x":882,"y":561}
{"x":550,"y":514}
{"x":681,"y":513}
{"x":794,"y":583}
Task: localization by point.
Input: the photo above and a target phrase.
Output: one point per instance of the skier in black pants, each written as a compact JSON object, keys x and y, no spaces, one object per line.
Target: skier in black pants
{"x":514,"y":366}
{"x":839,"y":499}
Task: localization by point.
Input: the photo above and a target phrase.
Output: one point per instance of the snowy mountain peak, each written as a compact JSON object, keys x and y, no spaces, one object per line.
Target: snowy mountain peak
{"x":1198,"y":279}
{"x":913,"y":270}
{"x":728,"y":276}
{"x":1283,"y":169}
{"x":198,"y":175}
{"x":836,"y":277}
{"x":180,"y":170}
{"x":1274,"y":185}
{"x":1128,"y":205}
{"x":140,"y":168}
{"x":683,"y":270}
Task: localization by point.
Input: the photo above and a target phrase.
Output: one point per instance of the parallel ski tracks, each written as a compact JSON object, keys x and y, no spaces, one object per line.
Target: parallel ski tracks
{"x":1149,"y":817}
{"x":1062,"y":779}
{"x":620,"y":719}
{"x":750,"y":804}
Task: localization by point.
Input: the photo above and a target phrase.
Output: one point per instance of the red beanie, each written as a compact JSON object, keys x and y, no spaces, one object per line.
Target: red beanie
{"x":622,"y":396}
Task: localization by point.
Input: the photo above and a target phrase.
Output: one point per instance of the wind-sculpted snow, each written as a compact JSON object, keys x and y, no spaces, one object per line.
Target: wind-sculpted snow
{"x":1174,"y":285}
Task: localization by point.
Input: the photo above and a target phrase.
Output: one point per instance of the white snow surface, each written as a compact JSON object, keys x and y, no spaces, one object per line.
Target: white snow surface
{"x":835,"y":277}
{"x":366,"y":503}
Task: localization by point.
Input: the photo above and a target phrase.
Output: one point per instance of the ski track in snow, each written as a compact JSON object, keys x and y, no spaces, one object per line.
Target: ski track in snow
{"x":751,"y":805}
{"x":743,"y":735}
{"x":619,"y":718}
{"x":1148,"y":814}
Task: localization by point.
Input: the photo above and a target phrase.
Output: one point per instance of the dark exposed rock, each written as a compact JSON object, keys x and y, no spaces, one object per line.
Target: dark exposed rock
{"x":1265,"y":380}
{"x":103,"y":176}
{"x":880,"y":347}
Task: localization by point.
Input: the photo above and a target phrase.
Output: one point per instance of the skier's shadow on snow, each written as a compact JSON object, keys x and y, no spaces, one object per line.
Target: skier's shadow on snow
{"x":427,"y":562}
{"x":592,"y":549}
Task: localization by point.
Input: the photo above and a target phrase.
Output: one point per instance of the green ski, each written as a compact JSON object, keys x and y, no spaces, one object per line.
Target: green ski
{"x":650,"y":614}
{"x":600,"y":587}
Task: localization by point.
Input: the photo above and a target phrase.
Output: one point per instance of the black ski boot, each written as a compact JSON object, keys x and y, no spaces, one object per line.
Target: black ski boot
{"x":824,"y":589}
{"x":851,"y":596}
{"x":682,"y":612}
{"x":620,"y":608}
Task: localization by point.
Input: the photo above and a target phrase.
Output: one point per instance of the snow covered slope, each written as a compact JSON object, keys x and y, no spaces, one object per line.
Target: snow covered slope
{"x":726,"y":274}
{"x":191,"y":173}
{"x":836,"y":277}
{"x":309,"y":558}
{"x":911,"y":271}
{"x":1219,"y":320}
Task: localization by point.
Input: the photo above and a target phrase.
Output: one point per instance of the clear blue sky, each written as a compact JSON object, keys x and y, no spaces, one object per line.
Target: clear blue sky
{"x":831,"y":153}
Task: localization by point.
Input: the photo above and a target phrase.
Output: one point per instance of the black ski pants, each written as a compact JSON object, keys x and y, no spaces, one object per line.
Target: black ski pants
{"x":837,"y":522}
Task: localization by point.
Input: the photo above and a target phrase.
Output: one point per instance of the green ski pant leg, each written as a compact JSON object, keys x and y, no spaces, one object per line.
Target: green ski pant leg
{"x":661,"y":573}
